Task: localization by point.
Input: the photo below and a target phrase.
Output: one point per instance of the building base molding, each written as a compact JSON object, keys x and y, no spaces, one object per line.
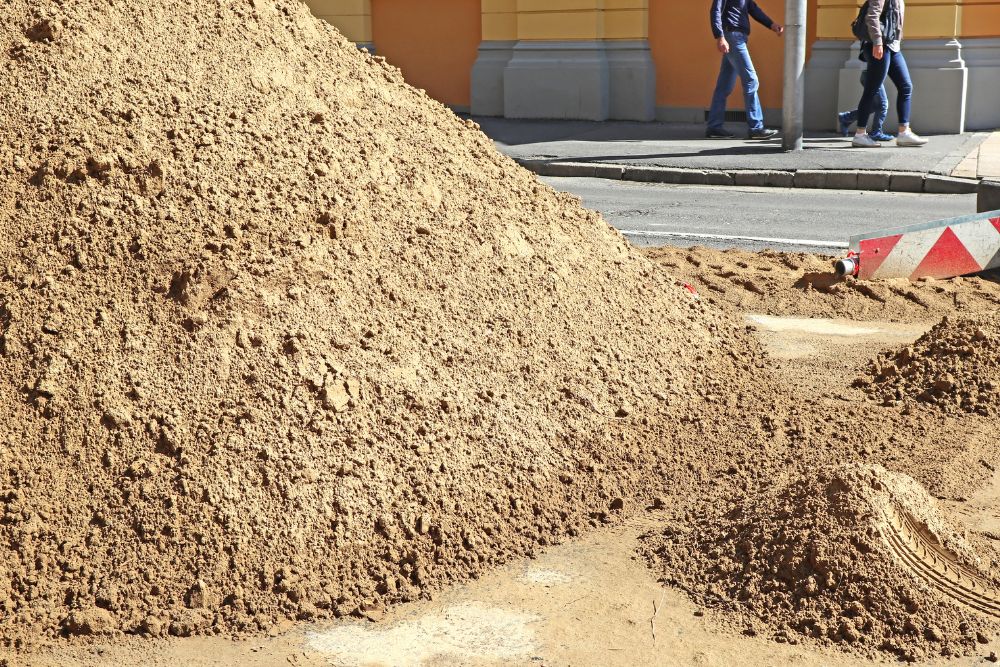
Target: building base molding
{"x":982,"y":104}
{"x":822,"y":75}
{"x":940,"y":85}
{"x":632,"y":80}
{"x":488,"y":77}
{"x":581,"y":80}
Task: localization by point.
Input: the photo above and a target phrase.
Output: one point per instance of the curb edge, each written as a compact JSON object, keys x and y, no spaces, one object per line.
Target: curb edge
{"x":829,"y":179}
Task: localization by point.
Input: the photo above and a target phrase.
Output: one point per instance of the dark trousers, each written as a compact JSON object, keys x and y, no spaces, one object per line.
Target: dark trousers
{"x":892,"y":65}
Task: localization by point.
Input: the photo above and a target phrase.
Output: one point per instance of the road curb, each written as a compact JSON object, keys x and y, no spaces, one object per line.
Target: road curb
{"x":989,"y":196}
{"x":828,"y":179}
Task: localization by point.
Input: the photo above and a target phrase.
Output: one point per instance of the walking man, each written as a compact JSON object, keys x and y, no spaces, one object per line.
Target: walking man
{"x":731,"y":28}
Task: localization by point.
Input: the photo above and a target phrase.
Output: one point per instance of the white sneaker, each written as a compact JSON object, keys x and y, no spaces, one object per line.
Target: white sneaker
{"x":910,"y":138}
{"x":865,"y":141}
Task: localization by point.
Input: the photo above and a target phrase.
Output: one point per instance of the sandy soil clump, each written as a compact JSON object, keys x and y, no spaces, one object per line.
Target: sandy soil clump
{"x":954,"y":367}
{"x":849,"y":555}
{"x":782,"y":283}
{"x":281,"y":337}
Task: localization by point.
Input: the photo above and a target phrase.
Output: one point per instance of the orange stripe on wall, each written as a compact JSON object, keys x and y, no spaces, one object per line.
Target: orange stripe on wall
{"x":981,"y":19}
{"x":434,"y":43}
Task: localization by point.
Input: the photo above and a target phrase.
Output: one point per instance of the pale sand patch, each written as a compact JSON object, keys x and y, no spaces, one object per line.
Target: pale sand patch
{"x":812,"y":325}
{"x":464,"y":631}
{"x":547,"y":577}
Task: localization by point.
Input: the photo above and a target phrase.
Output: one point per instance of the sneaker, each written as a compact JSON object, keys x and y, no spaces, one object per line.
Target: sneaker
{"x":762,"y":133}
{"x":719,"y":133}
{"x":910,"y":138}
{"x":844,"y":122}
{"x":865,"y":141}
{"x":881,"y":135}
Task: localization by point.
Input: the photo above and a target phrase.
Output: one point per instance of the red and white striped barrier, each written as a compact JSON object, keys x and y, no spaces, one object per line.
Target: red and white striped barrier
{"x":940,"y":249}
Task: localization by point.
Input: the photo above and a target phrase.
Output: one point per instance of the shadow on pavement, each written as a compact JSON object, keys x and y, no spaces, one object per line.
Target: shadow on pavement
{"x":520,"y":132}
{"x":734,"y":150}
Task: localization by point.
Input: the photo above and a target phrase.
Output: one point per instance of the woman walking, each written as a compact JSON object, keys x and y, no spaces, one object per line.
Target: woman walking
{"x":884,"y":23}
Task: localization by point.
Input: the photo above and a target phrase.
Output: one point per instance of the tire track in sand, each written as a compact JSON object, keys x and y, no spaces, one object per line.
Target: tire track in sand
{"x":938,"y":567}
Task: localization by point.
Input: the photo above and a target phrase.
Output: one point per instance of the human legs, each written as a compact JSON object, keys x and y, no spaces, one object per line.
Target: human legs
{"x":874,"y":78}
{"x":739,"y":58}
{"x":723,"y":87}
{"x":883,"y":111}
{"x":848,"y":118}
{"x":900,"y":75}
{"x":845,"y":119}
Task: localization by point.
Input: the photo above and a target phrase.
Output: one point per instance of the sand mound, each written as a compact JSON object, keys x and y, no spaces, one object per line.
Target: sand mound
{"x":283,"y":338}
{"x":954,"y":366}
{"x":852,"y":555}
{"x":779,"y":283}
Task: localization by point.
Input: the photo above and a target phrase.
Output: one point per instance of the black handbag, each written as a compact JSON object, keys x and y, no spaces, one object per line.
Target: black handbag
{"x":889,"y":22}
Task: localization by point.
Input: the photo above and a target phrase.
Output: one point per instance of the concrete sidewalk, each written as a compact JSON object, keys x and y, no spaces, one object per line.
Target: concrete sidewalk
{"x":680,"y":153}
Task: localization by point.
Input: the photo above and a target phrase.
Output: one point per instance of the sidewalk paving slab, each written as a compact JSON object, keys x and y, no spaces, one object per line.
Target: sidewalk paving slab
{"x":988,"y":198}
{"x":874,"y":180}
{"x":948,"y":185}
{"x":988,"y":158}
{"x":810,"y":178}
{"x":679,"y":153}
{"x":906,"y":182}
{"x":831,"y":179}
{"x":780,"y":179}
{"x":755,"y":179}
{"x":719,"y":178}
{"x":842,"y":179}
{"x":683,"y":145}
{"x":611,"y":171}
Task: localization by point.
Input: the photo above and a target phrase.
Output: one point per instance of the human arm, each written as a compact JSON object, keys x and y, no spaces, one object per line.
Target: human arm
{"x":760,"y":17}
{"x":715,"y":15}
{"x":873,"y":21}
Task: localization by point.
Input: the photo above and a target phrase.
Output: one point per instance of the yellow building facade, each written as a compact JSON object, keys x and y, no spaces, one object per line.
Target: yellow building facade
{"x":656,"y":59}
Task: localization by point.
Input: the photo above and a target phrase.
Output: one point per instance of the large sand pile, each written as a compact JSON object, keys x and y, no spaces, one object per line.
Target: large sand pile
{"x":954,"y":366}
{"x":282,"y":337}
{"x":852,"y":555}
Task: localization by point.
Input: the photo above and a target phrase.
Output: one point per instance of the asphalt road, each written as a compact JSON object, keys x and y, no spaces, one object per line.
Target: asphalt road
{"x":755,"y":218}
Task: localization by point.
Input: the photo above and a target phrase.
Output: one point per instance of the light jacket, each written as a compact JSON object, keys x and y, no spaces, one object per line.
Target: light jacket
{"x":874,"y":23}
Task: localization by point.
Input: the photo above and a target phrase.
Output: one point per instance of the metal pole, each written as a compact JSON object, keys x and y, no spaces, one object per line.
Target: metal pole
{"x":795,"y":64}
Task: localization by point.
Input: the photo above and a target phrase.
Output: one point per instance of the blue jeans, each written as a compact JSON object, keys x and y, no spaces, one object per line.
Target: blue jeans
{"x":894,"y":66}
{"x":736,"y":63}
{"x":883,"y":109}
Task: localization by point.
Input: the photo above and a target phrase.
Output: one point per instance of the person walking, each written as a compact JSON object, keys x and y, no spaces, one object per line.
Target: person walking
{"x":884,"y":22}
{"x":731,"y":29}
{"x":847,"y":118}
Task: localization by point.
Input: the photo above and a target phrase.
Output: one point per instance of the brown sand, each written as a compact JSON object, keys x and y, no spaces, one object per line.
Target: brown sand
{"x":849,"y":554}
{"x":611,"y":612}
{"x":725,"y":546}
{"x":954,"y":367}
{"x":284,"y":338}
{"x":778,"y":283}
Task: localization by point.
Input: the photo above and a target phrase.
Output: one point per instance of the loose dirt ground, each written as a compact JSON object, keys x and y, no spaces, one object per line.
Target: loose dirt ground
{"x":283,"y":340}
{"x":590,"y":601}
